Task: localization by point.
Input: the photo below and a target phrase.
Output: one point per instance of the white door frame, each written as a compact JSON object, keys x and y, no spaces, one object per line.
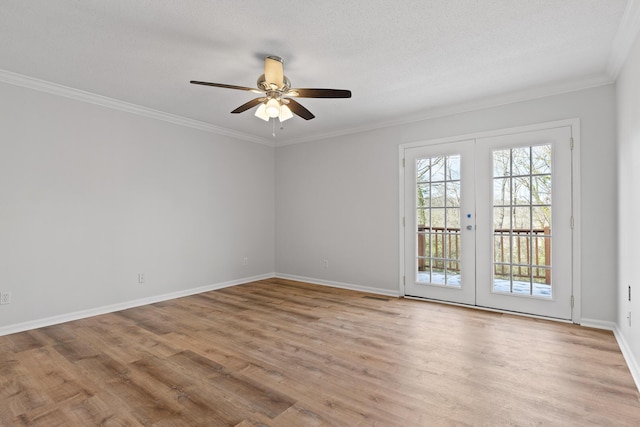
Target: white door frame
{"x":574,"y":124}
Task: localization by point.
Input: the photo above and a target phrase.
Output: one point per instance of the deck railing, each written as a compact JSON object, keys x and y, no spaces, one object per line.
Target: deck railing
{"x":530,"y":256}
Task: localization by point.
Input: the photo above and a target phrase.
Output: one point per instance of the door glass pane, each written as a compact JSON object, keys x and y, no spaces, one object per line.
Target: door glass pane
{"x":541,"y":159}
{"x":542,"y":251}
{"x":453,"y":168}
{"x":502,"y":220}
{"x":521,"y":218}
{"x":502,"y":248}
{"x":423,"y":170}
{"x":453,"y":194}
{"x":437,"y":168}
{"x":453,"y":219}
{"x":501,"y":277}
{"x":437,"y":245}
{"x":501,"y":163}
{"x":501,"y":191}
{"x":541,"y":217}
{"x":522,"y":190}
{"x":522,"y":185}
{"x":437,"y":194}
{"x":424,"y":194}
{"x":541,"y":189}
{"x":520,"y":161}
{"x":438,"y":220}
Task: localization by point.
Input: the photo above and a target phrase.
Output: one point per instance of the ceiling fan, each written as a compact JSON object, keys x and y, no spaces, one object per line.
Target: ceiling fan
{"x":275,"y":87}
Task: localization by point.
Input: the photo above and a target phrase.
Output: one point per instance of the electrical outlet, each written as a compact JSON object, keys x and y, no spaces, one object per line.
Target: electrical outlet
{"x":141,"y":278}
{"x":326,"y":263}
{"x":245,"y":261}
{"x":5,"y":298}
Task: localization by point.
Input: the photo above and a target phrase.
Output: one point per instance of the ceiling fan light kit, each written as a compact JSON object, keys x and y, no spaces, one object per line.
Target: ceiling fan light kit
{"x":273,"y":108}
{"x":275,"y":87}
{"x":285,"y":113}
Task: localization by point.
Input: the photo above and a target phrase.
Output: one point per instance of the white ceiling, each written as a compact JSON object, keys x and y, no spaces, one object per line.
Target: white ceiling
{"x":403,"y":60}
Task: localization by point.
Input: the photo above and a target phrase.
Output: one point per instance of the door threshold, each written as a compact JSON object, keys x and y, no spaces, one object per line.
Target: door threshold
{"x":494,"y":310}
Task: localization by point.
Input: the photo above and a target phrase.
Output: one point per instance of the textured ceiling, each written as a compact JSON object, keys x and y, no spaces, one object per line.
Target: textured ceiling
{"x":403,"y":60}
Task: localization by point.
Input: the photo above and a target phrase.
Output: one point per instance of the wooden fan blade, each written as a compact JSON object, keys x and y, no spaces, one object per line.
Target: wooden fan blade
{"x":247,"y":105}
{"x":248,"y":89}
{"x":274,"y":71}
{"x":319,"y":93}
{"x":299,"y":110}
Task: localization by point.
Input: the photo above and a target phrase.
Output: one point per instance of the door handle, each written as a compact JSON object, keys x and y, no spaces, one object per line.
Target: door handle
{"x":470,"y":227}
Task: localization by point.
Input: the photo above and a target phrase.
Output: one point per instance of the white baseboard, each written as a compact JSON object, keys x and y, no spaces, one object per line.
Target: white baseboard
{"x":340,"y":285}
{"x":632,"y":363}
{"x":598,"y":324}
{"x":82,"y":314}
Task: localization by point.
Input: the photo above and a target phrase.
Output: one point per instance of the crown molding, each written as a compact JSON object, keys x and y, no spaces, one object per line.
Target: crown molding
{"x":466,"y":107}
{"x":625,"y":37}
{"x":103,"y":101}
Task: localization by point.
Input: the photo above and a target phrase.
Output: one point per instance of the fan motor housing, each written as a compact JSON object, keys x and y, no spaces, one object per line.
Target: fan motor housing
{"x":263,"y":85}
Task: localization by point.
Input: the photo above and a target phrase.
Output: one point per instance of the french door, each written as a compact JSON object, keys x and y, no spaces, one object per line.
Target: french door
{"x":440,"y":222}
{"x":487,"y":222}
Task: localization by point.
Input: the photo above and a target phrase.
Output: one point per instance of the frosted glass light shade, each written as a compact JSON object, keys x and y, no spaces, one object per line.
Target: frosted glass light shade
{"x":261,"y":113}
{"x":285,"y":113}
{"x":272,"y":108}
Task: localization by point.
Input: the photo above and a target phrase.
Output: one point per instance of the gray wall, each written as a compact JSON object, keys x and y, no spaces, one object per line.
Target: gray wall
{"x":337,"y":199}
{"x":628,"y":90}
{"x":91,"y":196}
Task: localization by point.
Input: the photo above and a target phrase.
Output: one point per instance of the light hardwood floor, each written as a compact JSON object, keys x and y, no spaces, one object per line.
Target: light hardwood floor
{"x":283,"y":353}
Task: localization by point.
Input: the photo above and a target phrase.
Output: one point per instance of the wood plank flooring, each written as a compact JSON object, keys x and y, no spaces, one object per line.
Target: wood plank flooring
{"x":284,"y":353}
